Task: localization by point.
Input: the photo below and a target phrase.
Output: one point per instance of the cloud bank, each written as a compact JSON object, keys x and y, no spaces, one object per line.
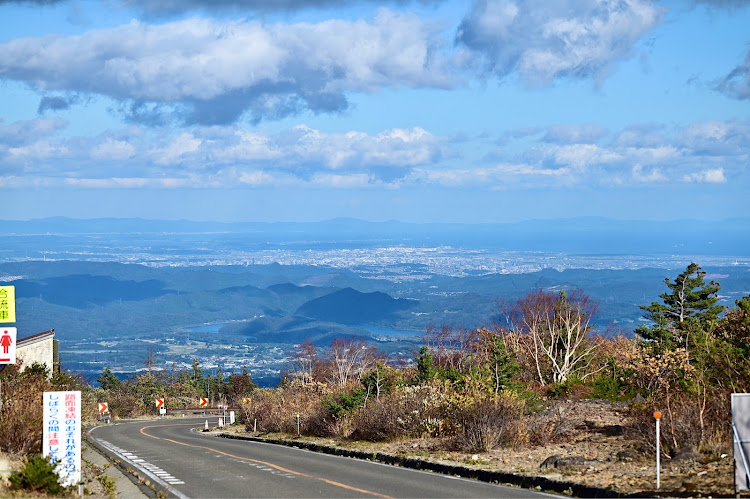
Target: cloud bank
{"x":543,"y":40}
{"x":561,"y":156}
{"x":202,"y":71}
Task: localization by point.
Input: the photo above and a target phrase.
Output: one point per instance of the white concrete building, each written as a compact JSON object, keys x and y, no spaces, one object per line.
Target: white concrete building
{"x":40,"y":348}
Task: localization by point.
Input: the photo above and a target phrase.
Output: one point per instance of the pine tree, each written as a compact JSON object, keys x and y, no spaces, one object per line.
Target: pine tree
{"x":108,"y":381}
{"x":690,"y":303}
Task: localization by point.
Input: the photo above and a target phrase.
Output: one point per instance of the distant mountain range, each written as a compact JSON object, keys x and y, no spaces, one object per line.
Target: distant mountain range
{"x":590,"y":235}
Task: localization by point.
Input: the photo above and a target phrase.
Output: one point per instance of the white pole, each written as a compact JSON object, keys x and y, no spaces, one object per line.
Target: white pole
{"x":658,"y":451}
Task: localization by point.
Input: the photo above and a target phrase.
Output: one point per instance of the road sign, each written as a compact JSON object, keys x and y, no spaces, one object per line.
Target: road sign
{"x":8,"y":345}
{"x":103,"y":407}
{"x":7,"y":304}
{"x":245,"y":400}
{"x":61,"y":436}
{"x":159,"y":402}
{"x":204,"y":401}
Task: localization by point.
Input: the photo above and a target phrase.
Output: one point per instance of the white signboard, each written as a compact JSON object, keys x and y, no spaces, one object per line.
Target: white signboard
{"x":741,"y":431}
{"x":62,"y":434}
{"x":8,"y":345}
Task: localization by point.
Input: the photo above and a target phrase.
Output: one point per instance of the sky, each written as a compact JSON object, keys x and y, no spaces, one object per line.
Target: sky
{"x":420,"y":111}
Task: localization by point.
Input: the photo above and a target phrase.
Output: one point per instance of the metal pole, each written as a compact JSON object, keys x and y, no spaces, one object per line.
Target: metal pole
{"x":658,"y":451}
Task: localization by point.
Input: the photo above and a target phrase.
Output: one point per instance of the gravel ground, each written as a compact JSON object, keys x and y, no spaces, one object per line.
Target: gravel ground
{"x":595,"y":446}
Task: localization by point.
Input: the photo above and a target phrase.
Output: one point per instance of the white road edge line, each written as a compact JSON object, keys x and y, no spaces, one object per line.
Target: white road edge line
{"x":158,"y":480}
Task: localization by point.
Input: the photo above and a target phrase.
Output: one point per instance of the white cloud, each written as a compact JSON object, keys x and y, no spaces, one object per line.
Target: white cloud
{"x":713,"y":176}
{"x":28,"y":131}
{"x":581,"y":156}
{"x":126,"y":183}
{"x":212,"y":72}
{"x":230,"y":156}
{"x":184,"y":145}
{"x":649,"y":176}
{"x":543,"y":40}
{"x":114,"y":150}
{"x":574,"y":134}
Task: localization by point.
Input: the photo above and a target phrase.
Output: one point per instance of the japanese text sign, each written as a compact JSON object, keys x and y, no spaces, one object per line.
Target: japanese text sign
{"x":61,"y":440}
{"x":7,"y":304}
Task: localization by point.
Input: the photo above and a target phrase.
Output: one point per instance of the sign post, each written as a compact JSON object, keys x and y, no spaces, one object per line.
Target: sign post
{"x":61,"y":436}
{"x":657,"y":416}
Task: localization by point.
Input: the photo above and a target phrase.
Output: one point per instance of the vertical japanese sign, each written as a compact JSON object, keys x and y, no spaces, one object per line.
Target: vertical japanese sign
{"x":62,"y":434}
{"x":8,"y":345}
{"x":7,"y":304}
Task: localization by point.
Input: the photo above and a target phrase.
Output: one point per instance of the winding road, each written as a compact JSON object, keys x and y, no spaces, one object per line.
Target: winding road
{"x":187,"y":463}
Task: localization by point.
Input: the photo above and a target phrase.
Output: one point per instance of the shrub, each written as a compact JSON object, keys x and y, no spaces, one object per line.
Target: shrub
{"x":609,"y":388}
{"x":550,"y":425}
{"x":22,"y":411}
{"x":688,"y":422}
{"x":412,"y":411}
{"x":38,"y":474}
{"x":490,"y":422}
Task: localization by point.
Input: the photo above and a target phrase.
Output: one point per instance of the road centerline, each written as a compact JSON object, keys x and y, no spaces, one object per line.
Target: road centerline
{"x":265,"y":463}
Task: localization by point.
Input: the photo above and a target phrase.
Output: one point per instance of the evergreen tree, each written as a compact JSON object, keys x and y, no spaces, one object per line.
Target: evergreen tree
{"x":502,"y":366}
{"x":425,"y":367}
{"x":690,"y":304}
{"x":108,"y":381}
{"x":197,"y":379}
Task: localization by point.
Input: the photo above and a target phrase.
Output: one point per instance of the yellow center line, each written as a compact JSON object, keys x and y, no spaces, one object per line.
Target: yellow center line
{"x":270,"y":465}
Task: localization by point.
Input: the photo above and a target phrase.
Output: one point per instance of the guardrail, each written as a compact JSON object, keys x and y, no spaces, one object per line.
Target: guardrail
{"x":203,"y":411}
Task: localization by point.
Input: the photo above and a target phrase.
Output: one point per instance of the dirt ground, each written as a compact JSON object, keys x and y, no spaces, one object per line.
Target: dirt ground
{"x":599,"y":454}
{"x":92,"y":486}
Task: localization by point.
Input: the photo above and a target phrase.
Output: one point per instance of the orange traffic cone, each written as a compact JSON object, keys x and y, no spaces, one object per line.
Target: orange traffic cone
{"x":205,"y":428}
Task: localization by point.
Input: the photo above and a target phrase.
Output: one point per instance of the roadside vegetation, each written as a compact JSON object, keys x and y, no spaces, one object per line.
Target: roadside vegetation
{"x":499,"y":387}
{"x":476,"y":390}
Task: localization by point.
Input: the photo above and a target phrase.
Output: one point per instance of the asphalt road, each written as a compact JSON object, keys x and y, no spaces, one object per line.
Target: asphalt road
{"x":187,"y":463}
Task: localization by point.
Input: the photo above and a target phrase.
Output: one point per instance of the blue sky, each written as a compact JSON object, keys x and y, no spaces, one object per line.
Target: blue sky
{"x":420,"y":111}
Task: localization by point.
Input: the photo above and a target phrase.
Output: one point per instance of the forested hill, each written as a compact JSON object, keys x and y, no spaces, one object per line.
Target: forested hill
{"x":86,"y":299}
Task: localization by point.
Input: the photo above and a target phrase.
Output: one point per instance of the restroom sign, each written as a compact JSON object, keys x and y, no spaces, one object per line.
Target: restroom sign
{"x":8,"y":345}
{"x":7,"y":304}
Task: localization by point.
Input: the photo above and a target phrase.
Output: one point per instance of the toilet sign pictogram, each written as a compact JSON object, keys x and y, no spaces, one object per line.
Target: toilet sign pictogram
{"x":8,"y":345}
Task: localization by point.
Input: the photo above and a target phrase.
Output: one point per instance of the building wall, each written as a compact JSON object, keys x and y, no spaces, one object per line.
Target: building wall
{"x":40,"y":351}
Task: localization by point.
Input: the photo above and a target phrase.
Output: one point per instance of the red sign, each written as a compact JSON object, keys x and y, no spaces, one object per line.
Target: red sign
{"x":103,"y":407}
{"x":204,"y":401}
{"x":159,"y":402}
{"x":8,"y":345}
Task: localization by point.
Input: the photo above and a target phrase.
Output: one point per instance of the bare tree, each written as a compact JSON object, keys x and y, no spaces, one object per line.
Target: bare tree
{"x":556,"y":327}
{"x":304,"y":361}
{"x":450,"y":348}
{"x":350,"y":358}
